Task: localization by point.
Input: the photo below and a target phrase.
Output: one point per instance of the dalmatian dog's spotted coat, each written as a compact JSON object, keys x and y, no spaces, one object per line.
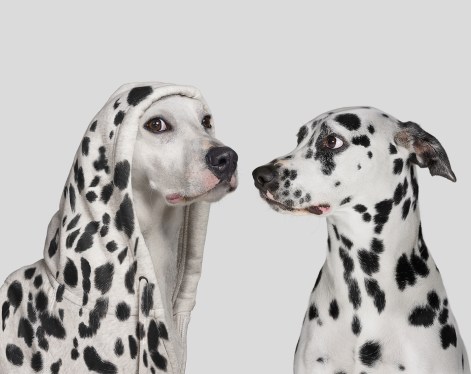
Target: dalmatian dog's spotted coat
{"x":378,"y":304}
{"x":123,"y":253}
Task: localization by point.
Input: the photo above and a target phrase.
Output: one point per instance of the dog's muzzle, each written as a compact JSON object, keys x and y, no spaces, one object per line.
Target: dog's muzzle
{"x":263,"y":176}
{"x":222,"y":161}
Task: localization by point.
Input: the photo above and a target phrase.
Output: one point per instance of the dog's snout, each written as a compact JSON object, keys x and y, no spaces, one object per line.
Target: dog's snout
{"x":222,"y":161}
{"x":264,"y":175}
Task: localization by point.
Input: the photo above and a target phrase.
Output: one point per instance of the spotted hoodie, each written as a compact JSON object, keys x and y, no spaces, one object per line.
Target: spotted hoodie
{"x":93,"y":303}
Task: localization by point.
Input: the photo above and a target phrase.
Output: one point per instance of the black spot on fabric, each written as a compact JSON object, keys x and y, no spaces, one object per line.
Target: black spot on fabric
{"x":346,"y":200}
{"x":104,"y":277}
{"x":86,"y":239}
{"x":106,"y":193}
{"x":443,"y":316}
{"x":116,"y":104}
{"x":398,"y":166}
{"x":42,"y":341}
{"x":38,"y":281}
{"x":95,"y":363}
{"x":318,"y":279}
{"x":334,"y":309}
{"x":132,"y":346}
{"x":73,"y":222}
{"x":52,"y":325}
{"x":419,"y":265}
{"x":130,"y":276}
{"x":405,"y":274}
{"x":72,"y":198}
{"x":383,"y":209}
{"x":111,"y":246}
{"x":140,"y":332}
{"x":392,"y":149}
{"x":70,"y":273}
{"x":69,"y":242}
{"x":123,"y":311}
{"x":121,"y":174}
{"x":53,"y":244}
{"x":29,"y":273}
{"x":14,"y":354}
{"x":377,"y":245}
{"x":41,"y":301}
{"x":362,"y":140}
{"x":93,"y":126}
{"x":86,"y":272}
{"x":448,"y":336}
{"x":356,"y":325}
{"x":373,"y":290}
{"x":80,"y":179}
{"x":137,"y":94}
{"x":55,"y":367}
{"x":360,"y":208}
{"x":370,"y":353}
{"x":15,"y":294}
{"x":102,"y":162}
{"x":153,"y":336}
{"x":369,"y":261}
{"x":313,"y":312}
{"x":119,"y":347}
{"x":74,"y":354}
{"x":346,"y":242}
{"x":433,"y":300}
{"x":95,"y":181}
{"x":5,"y":313}
{"x":405,"y":209}
{"x":25,"y":331}
{"x":94,"y":319}
{"x":144,"y":358}
{"x":422,"y":316}
{"x":354,"y":294}
{"x":104,"y":230}
{"x":91,"y":196}
{"x":37,"y":362}
{"x":122,"y":255}
{"x":119,"y":117}
{"x":85,"y":145}
{"x":124,"y":219}
{"x":147,"y":299}
{"x":349,"y":120}
{"x":302,"y":133}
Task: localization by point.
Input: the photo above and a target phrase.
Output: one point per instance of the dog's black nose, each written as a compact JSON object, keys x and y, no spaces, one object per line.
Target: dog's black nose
{"x":264,"y":175}
{"x":222,"y":161}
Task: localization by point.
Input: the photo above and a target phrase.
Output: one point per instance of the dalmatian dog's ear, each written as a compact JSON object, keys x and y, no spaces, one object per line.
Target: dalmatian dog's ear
{"x":425,"y":149}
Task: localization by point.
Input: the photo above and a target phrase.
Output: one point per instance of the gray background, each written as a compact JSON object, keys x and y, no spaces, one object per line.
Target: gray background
{"x":265,"y":70}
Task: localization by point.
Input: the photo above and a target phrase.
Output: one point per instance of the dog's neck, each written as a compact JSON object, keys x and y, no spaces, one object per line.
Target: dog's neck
{"x":161,"y":226}
{"x":372,"y":244}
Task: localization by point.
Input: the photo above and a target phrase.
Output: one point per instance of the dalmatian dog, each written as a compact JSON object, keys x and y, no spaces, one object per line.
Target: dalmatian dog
{"x":378,"y":304}
{"x":123,"y":253}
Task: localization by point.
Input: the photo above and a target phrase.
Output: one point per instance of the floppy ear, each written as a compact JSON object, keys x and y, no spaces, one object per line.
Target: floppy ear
{"x":425,"y":149}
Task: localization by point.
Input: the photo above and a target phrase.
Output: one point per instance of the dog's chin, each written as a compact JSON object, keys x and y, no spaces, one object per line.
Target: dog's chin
{"x":212,"y":195}
{"x":318,"y":210}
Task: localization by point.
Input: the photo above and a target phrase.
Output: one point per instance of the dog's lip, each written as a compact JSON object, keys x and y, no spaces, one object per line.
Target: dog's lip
{"x":175,"y":198}
{"x":318,"y":210}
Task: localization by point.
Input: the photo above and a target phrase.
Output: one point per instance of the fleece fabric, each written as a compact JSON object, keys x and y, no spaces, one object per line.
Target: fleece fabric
{"x":93,"y":303}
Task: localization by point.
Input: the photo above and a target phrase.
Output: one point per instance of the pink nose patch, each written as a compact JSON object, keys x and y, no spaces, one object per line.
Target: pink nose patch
{"x":319,"y":209}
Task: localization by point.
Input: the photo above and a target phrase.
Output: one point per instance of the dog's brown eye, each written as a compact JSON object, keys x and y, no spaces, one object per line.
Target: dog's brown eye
{"x":156,"y":125}
{"x":207,"y":122}
{"x":333,"y":142}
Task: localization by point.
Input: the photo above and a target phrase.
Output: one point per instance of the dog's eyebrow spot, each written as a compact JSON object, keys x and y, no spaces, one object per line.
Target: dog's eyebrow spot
{"x":349,"y":120}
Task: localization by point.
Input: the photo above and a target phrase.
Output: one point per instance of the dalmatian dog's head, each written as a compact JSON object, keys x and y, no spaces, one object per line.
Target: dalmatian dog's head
{"x":346,"y":153}
{"x":177,"y":156}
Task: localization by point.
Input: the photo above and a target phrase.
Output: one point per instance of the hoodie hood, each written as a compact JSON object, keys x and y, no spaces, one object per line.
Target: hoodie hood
{"x":95,"y":256}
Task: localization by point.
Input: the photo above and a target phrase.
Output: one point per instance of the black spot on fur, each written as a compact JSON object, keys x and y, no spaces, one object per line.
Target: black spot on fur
{"x":392,"y":149}
{"x":354,"y":294}
{"x":360,"y":208}
{"x":443,"y":316}
{"x":433,"y":300}
{"x":422,"y":316}
{"x":15,"y":294}
{"x":301,"y":135}
{"x":370,"y":353}
{"x":37,"y":362}
{"x":95,"y":363}
{"x":405,"y":209}
{"x":349,"y":120}
{"x":356,"y":325}
{"x":378,"y":295}
{"x":346,"y":242}
{"x":14,"y":354}
{"x":334,"y":309}
{"x":86,"y":239}
{"x":448,"y":336}
{"x":313,"y":312}
{"x":137,"y":94}
{"x":419,"y":265}
{"x":124,"y":219}
{"x":104,"y":277}
{"x":369,"y":261}
{"x":398,"y":166}
{"x":383,"y":210}
{"x":121,"y":174}
{"x":346,"y":200}
{"x":362,"y":140}
{"x":371,"y":129}
{"x":377,"y":245}
{"x":405,"y":274}
{"x":119,"y":117}
{"x":70,"y":273}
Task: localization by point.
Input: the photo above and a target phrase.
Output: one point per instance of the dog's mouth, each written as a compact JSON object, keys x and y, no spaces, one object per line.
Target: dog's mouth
{"x":225,"y":186}
{"x":318,"y":210}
